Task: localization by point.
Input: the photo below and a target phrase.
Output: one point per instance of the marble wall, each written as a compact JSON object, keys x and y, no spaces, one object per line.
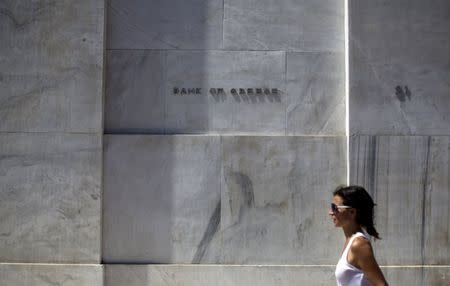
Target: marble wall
{"x":225,"y":120}
{"x":50,"y":275}
{"x":51,"y":102}
{"x":250,"y":185}
{"x":287,"y":70}
{"x":220,"y":199}
{"x":236,"y":275}
{"x":399,"y":67}
{"x":399,"y":121}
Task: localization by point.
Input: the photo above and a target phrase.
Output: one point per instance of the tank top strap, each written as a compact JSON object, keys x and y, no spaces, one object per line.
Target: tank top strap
{"x":349,"y":244}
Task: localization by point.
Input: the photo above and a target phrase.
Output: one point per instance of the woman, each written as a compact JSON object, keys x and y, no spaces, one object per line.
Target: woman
{"x":352,"y":209}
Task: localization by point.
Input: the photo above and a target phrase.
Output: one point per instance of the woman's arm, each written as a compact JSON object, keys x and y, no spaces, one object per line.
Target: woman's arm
{"x":363,"y":258}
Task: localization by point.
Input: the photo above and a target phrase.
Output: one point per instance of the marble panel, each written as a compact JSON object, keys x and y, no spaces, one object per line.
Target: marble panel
{"x":51,"y":275}
{"x":237,"y":275}
{"x":51,"y":62}
{"x":134,"y":99}
{"x":437,"y":201}
{"x":220,"y":275}
{"x":306,"y":25}
{"x":50,"y":198}
{"x":238,"y":113}
{"x":408,"y":178}
{"x":161,"y":201}
{"x":316,"y":93}
{"x":275,"y":195}
{"x":399,"y":67}
{"x":162,"y":24}
{"x":417,"y":276}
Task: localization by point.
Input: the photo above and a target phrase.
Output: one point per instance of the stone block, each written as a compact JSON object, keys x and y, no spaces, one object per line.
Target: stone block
{"x":220,"y":275}
{"x":134,"y":97}
{"x":204,"y":101}
{"x":160,"y":24}
{"x":161,"y":199}
{"x":51,"y":62}
{"x":315,"y":93}
{"x":307,"y":25}
{"x":238,"y":113}
{"x":50,"y":198}
{"x":399,"y":67}
{"x":436,"y":244}
{"x":417,"y":275}
{"x":51,"y":275}
{"x":408,"y":178}
{"x":275,"y":196}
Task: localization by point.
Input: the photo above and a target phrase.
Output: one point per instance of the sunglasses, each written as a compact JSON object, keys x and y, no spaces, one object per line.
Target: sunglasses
{"x":335,"y":208}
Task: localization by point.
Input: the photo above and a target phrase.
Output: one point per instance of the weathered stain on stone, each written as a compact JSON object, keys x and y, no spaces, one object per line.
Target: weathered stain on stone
{"x":402,"y":93}
{"x":241,"y":194}
{"x":211,"y":230}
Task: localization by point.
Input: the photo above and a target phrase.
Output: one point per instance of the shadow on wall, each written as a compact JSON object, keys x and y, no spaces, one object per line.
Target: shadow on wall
{"x":154,"y":190}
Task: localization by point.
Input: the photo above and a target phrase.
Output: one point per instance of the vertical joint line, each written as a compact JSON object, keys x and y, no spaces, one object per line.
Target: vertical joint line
{"x":347,"y":109}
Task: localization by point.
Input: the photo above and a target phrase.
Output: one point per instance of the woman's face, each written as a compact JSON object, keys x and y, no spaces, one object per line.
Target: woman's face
{"x":340,"y":217}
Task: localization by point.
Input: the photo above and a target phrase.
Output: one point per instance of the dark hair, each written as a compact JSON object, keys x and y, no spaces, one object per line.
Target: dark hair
{"x":357,"y":197}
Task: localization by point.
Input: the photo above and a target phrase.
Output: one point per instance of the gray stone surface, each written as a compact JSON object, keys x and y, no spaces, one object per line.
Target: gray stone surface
{"x":51,"y":275}
{"x":418,"y":276}
{"x":275,"y":195}
{"x":203,"y":275}
{"x":437,"y":201}
{"x":134,"y":96}
{"x":140,"y":97}
{"x":316,"y":95}
{"x":399,"y":71}
{"x":246,"y":275}
{"x":161,"y":201}
{"x":175,"y":208}
{"x":229,"y":113}
{"x":50,"y":197}
{"x":161,"y":24}
{"x":51,"y":61}
{"x":307,"y":25}
{"x":408,"y":178}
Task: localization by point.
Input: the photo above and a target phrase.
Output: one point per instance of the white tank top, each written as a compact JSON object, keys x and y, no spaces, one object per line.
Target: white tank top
{"x":347,"y":274}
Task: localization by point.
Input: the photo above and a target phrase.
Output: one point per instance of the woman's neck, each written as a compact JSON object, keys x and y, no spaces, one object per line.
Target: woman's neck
{"x":350,"y":230}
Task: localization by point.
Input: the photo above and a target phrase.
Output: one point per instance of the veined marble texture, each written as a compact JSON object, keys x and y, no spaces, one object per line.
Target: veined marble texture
{"x":161,"y":201}
{"x":408,"y":178}
{"x":275,"y":197}
{"x":51,"y":275}
{"x":165,"y":24}
{"x":220,"y":275}
{"x":51,"y":61}
{"x":212,"y":199}
{"x":50,"y":197}
{"x":306,"y":25}
{"x":399,"y":67}
{"x":316,"y":89}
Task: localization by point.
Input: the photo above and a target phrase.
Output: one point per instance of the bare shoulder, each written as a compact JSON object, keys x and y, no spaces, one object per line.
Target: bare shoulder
{"x":361,"y":247}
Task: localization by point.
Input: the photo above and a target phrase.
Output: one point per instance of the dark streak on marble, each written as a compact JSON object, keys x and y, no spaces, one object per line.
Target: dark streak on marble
{"x":425,"y":182}
{"x":211,"y":230}
{"x":241,"y":192}
{"x":402,"y":94}
{"x":14,"y":20}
